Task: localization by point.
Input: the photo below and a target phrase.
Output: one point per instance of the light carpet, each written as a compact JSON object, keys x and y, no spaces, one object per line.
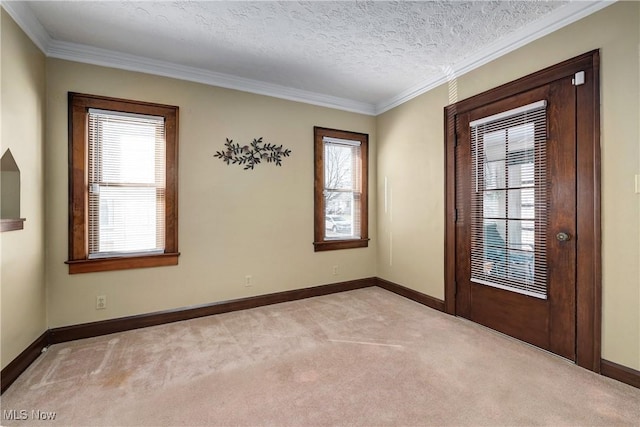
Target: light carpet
{"x":360,"y":358}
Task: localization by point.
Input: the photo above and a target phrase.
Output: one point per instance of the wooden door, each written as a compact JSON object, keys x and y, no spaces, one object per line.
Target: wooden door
{"x":517,"y":181}
{"x":522,"y":253}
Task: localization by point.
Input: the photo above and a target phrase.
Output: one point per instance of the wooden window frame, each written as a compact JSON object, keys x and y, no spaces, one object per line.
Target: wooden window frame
{"x":320,"y":243}
{"x":79,"y":261}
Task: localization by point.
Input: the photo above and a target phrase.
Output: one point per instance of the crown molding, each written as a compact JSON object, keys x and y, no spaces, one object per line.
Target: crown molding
{"x":562,"y":17}
{"x":108,"y":58}
{"x":25,"y":18}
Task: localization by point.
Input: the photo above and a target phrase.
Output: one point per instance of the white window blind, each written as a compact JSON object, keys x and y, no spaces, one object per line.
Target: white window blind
{"x":342,"y":188}
{"x":509,"y":201}
{"x":126,"y":184}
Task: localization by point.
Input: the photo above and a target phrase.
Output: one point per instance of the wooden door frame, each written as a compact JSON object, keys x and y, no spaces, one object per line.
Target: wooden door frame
{"x":588,"y":229}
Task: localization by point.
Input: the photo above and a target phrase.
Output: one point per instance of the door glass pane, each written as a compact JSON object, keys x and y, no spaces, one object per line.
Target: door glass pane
{"x":509,"y":202}
{"x":495,"y":203}
{"x":521,"y":266}
{"x":495,"y":248}
{"x":494,"y":175}
{"x":522,"y":203}
{"x":495,"y":144}
{"x":521,"y":235}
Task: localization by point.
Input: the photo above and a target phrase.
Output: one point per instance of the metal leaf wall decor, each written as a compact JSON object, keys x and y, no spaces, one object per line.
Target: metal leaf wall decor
{"x":253,"y":154}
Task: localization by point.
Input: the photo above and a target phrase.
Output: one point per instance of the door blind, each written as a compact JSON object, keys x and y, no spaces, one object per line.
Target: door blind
{"x":126,"y":184}
{"x":509,"y":201}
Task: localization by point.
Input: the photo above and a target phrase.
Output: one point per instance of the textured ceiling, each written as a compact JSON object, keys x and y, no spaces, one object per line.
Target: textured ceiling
{"x":362,"y":51}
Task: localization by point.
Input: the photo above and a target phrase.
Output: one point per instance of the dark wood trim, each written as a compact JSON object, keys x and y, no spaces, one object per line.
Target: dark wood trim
{"x":329,"y":245}
{"x":620,"y":373}
{"x":589,"y":279}
{"x":11,"y":224}
{"x":419,"y":297}
{"x":18,"y":365}
{"x":319,"y":241}
{"x":588,"y":226}
{"x":93,"y":329}
{"x":79,"y":105}
{"x":529,"y":82}
{"x":121,"y":263}
{"x":450,"y":141}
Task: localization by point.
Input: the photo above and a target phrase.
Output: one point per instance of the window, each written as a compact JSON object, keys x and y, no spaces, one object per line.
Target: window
{"x":340,"y":189}
{"x":509,"y":211}
{"x":123,"y":184}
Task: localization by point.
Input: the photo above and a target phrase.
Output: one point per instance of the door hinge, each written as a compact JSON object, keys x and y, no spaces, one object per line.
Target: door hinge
{"x":578,"y":78}
{"x":455,"y":215}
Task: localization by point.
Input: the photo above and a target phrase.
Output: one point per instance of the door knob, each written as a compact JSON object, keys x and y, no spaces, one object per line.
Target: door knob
{"x":563,"y":237}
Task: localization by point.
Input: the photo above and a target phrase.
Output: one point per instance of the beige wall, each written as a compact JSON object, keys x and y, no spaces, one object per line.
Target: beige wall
{"x":22,"y":280}
{"x":232,"y":222}
{"x":411,"y":157}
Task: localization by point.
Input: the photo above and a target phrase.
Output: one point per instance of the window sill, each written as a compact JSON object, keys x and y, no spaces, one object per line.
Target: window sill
{"x":12,"y":224}
{"x":121,"y":263}
{"x":330,"y":245}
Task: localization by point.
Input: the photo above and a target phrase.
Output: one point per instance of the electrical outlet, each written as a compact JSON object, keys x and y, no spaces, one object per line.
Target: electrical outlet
{"x":101,"y":302}
{"x":335,"y":270}
{"x":248,"y":281}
